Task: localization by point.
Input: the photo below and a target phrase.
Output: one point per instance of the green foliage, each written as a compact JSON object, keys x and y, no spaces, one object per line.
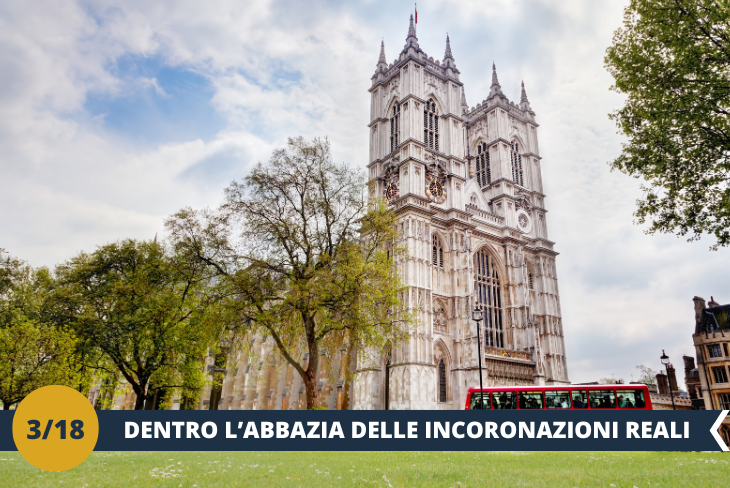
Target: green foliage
{"x":310,"y":262}
{"x":33,"y":353}
{"x":646,"y":375}
{"x":671,"y":60}
{"x":148,"y":311}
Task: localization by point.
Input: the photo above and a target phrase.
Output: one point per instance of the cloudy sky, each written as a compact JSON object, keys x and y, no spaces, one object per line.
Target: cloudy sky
{"x":114,"y":115}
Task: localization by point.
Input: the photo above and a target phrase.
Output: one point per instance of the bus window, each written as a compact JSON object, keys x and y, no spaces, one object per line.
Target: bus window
{"x":630,"y":399}
{"x":557,"y":399}
{"x":530,"y":400}
{"x":504,"y":400}
{"x":580,"y":399}
{"x":602,"y":398}
{"x":476,"y":401}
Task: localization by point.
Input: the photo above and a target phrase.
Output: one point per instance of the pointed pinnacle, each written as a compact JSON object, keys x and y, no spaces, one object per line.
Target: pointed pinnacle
{"x":381,"y":59}
{"x":523,"y":96}
{"x":447,"y":54}
{"x":411,"y":29}
{"x":495,"y":81}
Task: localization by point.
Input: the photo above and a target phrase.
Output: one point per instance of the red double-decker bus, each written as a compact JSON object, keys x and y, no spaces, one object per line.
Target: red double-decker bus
{"x":574,"y":397}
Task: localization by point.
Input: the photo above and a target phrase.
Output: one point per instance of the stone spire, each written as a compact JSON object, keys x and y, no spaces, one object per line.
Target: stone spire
{"x":447,"y":54}
{"x":411,"y":39}
{"x":464,"y":105}
{"x":382,"y":63}
{"x":495,"y":89}
{"x":524,"y":102}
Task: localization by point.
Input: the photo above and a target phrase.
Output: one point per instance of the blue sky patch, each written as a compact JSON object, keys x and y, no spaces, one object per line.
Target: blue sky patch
{"x":178,"y":109}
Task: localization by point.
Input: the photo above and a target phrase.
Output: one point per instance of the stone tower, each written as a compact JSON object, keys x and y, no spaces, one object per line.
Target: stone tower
{"x":466,"y":185}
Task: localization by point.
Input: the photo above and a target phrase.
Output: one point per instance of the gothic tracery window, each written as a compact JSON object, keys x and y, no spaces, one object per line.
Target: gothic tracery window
{"x":431,"y":125}
{"x":395,"y":127}
{"x":517,"y":172}
{"x":489,"y":297}
{"x":437,"y":252}
{"x":484,"y":171}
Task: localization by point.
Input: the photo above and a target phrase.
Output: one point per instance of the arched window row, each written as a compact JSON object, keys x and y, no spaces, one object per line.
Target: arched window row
{"x":395,"y":127}
{"x":484,"y":170}
{"x":431,"y":125}
{"x":489,"y":297}
{"x":437,"y":252}
{"x":517,"y":172}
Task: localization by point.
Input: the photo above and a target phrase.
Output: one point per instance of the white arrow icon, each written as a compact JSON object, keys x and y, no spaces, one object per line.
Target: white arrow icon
{"x":715,"y":433}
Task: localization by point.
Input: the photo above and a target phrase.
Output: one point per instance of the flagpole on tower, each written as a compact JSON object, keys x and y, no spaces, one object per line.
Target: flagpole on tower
{"x":416,"y":5}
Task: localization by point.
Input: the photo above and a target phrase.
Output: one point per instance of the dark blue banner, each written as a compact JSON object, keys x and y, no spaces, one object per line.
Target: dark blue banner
{"x":401,"y":431}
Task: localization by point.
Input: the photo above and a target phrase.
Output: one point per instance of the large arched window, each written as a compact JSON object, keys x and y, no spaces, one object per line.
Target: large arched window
{"x":437,"y":252}
{"x":442,"y":381}
{"x":395,"y":127}
{"x":484,"y":171}
{"x":431,"y":125}
{"x":489,"y":297}
{"x":517,"y":173}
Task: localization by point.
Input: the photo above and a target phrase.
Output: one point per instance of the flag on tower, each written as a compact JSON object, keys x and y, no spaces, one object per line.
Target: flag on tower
{"x":416,"y":12}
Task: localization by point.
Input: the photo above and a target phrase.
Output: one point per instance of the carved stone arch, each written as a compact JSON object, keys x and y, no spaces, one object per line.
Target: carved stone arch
{"x":431,"y":94}
{"x":472,"y":190}
{"x":393,"y":100}
{"x":442,"y":359}
{"x":496,"y":253}
{"x":514,"y":136}
{"x":441,"y":350}
{"x":479,"y":141}
{"x":442,"y":237}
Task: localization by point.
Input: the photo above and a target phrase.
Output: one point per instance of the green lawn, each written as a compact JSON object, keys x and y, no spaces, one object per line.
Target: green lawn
{"x":320,"y":469}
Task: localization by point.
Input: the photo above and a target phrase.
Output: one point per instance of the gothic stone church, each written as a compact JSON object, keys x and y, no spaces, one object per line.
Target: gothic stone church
{"x":467,"y":189}
{"x":466,"y":185}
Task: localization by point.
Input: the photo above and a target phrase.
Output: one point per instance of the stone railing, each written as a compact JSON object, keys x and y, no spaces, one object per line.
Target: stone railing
{"x":487,"y":216}
{"x":410,"y":201}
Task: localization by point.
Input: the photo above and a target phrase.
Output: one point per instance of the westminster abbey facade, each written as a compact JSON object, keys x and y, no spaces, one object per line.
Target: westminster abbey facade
{"x":466,"y":185}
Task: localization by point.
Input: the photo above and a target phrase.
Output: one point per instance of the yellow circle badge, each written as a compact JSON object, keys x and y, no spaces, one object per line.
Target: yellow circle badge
{"x":55,"y":428}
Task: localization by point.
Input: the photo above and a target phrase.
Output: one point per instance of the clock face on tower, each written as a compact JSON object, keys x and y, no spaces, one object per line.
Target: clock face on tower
{"x":524,"y":223}
{"x":435,"y":190}
{"x":392,"y":191}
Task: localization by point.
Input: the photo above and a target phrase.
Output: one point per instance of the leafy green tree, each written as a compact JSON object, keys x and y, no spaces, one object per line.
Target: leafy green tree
{"x":145,"y":309}
{"x":33,"y":352}
{"x":310,"y":263}
{"x":671,"y":60}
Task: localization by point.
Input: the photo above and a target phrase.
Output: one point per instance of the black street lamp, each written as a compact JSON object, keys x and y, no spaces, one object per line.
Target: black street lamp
{"x":665,"y":362}
{"x":477,"y":315}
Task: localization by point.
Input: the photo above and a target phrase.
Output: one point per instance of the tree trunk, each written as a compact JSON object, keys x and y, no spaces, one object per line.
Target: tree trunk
{"x":6,"y":406}
{"x":310,"y":380}
{"x":139,"y":404}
